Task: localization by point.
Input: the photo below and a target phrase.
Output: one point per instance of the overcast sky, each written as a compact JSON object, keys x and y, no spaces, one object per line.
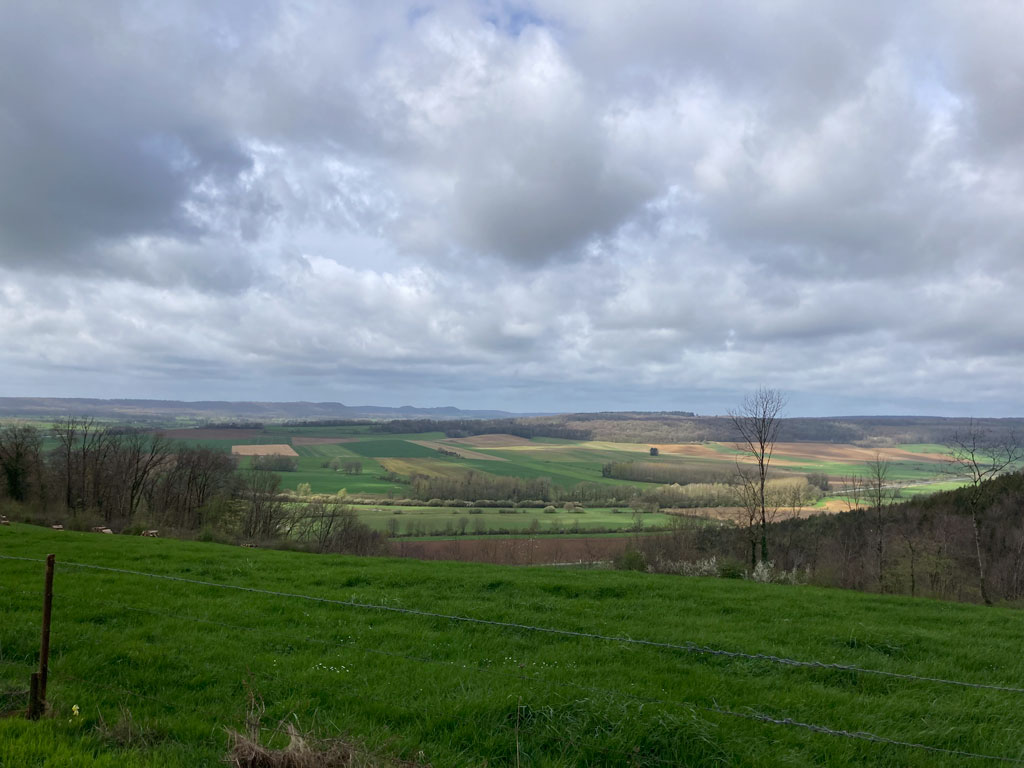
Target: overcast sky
{"x":568,"y":205}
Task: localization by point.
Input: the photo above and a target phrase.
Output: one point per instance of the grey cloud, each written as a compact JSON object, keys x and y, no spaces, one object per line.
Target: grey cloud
{"x":335,"y":199}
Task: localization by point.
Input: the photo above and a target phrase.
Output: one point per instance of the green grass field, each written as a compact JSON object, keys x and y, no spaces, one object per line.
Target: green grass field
{"x":159,"y":668}
{"x":453,"y":521}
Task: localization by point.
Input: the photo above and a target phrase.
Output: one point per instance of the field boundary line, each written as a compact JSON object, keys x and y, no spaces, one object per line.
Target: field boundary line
{"x":685,"y":647}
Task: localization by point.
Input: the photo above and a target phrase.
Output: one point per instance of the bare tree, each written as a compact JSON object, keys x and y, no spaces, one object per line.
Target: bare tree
{"x":758,"y":421}
{"x":978,"y":455}
{"x":750,"y":507}
{"x":138,"y":457}
{"x":264,"y":513}
{"x":881,"y":491}
{"x":853,"y":491}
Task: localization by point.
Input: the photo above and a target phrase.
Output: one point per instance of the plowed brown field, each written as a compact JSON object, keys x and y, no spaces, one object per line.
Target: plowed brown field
{"x":495,"y":441}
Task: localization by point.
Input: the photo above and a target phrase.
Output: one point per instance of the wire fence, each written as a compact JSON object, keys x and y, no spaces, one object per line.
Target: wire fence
{"x":746,"y":713}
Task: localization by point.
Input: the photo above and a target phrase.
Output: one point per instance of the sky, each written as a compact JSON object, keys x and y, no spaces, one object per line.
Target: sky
{"x":572,"y":205}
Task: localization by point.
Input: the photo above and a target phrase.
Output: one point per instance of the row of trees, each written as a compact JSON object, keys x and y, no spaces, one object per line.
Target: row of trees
{"x":656,"y":472}
{"x":93,"y":473}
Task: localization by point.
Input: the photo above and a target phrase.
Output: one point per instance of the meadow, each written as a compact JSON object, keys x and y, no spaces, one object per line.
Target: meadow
{"x":472,"y":665}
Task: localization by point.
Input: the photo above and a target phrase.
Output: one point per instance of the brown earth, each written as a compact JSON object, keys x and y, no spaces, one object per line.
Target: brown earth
{"x":279,"y":449}
{"x":493,"y":441}
{"x":211,"y":434}
{"x":324,"y":440}
{"x":694,"y":450}
{"x":539,"y":550}
{"x":466,"y":454}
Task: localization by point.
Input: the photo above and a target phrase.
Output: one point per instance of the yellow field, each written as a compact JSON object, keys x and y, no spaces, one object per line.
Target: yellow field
{"x":279,"y":449}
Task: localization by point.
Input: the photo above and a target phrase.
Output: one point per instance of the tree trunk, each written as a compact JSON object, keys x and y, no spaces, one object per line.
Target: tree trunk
{"x":981,"y":562}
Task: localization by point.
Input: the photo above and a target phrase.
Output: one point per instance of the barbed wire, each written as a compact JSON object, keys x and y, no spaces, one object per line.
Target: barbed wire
{"x":687,"y":647}
{"x":714,"y":708}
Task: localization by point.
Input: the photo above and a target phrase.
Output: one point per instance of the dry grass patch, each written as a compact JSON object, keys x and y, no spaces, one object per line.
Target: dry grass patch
{"x":303,"y":750}
{"x":273,"y":449}
{"x":692,"y":450}
{"x":428,"y":467}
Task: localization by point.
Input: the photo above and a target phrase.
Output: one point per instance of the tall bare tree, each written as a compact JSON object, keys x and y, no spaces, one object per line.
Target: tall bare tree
{"x":978,"y":455}
{"x":882,"y":490}
{"x":758,"y":421}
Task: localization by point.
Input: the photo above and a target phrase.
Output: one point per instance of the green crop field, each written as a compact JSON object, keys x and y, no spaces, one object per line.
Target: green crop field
{"x":157,"y":669}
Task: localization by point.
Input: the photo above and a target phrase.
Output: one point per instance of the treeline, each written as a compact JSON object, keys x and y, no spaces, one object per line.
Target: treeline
{"x":477,"y":485}
{"x":130,"y":480}
{"x":924,"y":547}
{"x":524,"y":428}
{"x":657,"y":472}
{"x":112,"y":475}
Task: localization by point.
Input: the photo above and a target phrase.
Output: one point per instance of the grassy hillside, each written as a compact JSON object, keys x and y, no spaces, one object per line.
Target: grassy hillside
{"x":158,"y":668}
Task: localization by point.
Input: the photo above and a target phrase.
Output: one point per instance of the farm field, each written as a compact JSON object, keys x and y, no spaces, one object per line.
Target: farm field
{"x":158,"y":668}
{"x":565,"y":462}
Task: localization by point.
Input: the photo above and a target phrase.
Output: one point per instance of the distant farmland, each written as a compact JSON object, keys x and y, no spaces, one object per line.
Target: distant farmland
{"x":387,"y":466}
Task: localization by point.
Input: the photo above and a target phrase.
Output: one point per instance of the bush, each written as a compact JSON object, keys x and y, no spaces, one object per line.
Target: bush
{"x":731,"y":569}
{"x":549,"y":510}
{"x":630,"y":560}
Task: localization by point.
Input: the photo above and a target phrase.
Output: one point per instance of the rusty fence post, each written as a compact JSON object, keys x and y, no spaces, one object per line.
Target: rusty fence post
{"x":37,"y":683}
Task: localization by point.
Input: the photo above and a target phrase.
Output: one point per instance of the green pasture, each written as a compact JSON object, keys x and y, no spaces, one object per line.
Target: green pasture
{"x":158,"y":669}
{"x":452,"y":521}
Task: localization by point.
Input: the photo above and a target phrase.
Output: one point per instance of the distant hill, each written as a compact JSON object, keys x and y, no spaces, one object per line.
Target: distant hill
{"x":153,"y":410}
{"x":676,"y":428}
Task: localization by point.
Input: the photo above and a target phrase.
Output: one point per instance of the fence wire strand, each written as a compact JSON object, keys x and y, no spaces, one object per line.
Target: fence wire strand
{"x":687,"y":647}
{"x":751,"y":714}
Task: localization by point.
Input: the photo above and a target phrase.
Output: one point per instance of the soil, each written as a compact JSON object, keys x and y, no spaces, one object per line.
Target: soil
{"x":493,"y":441}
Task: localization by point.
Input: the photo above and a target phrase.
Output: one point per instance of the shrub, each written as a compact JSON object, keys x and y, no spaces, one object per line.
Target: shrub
{"x":630,"y":560}
{"x":549,"y":510}
{"x":731,"y":569}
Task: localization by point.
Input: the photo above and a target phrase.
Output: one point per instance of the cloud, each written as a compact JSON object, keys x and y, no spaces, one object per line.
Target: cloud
{"x":506,"y":205}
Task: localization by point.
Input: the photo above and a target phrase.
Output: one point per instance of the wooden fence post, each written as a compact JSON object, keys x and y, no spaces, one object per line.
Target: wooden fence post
{"x":37,"y":683}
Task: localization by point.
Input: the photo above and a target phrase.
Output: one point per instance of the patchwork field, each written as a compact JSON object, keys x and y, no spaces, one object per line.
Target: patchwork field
{"x":471,"y":665}
{"x":386,"y":462}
